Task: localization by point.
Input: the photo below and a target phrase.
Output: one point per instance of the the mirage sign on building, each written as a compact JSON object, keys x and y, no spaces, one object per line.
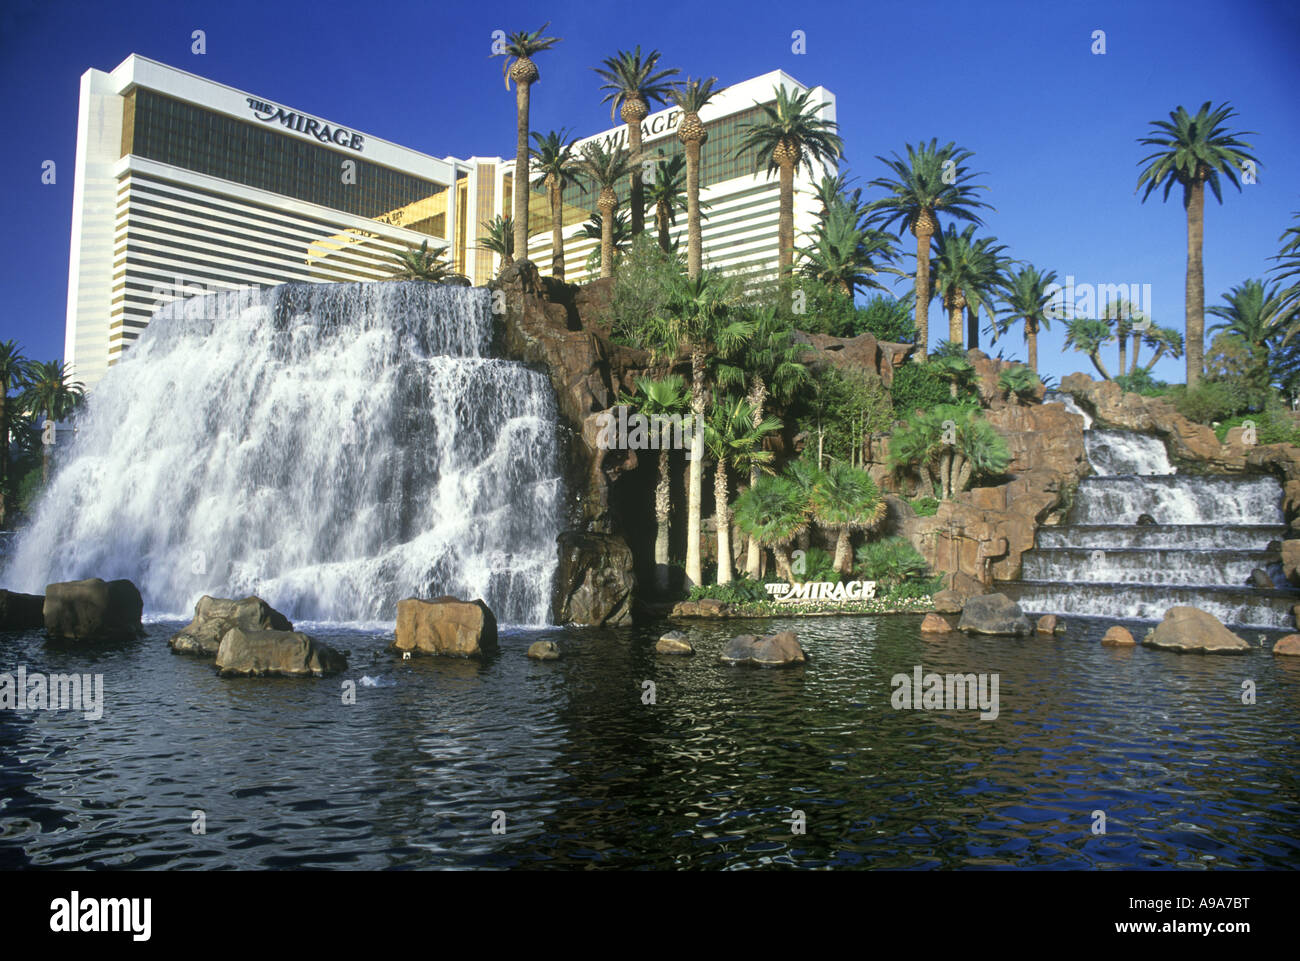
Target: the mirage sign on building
{"x":822,"y":591}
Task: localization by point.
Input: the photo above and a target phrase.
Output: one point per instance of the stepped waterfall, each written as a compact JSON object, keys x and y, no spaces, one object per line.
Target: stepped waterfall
{"x":1209,"y":534}
{"x":331,"y":448}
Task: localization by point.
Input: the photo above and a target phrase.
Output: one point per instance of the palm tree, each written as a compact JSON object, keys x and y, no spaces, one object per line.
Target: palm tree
{"x":1088,"y":336}
{"x":789,"y":135}
{"x":954,"y":443}
{"x":733,"y":438}
{"x":1255,"y":313}
{"x":47,"y":390}
{"x":931,"y":181}
{"x":621,"y":238}
{"x":1026,"y":295}
{"x":633,"y":84}
{"x":518,"y":49}
{"x":1192,"y":151}
{"x":605,"y":168}
{"x":667,"y":196}
{"x":774,"y":512}
{"x":1127,"y":321}
{"x":1164,"y":340}
{"x":844,"y":252}
{"x":663,"y":398}
{"x":553,"y":161}
{"x":500,"y":239}
{"x":845,"y":501}
{"x":1288,"y":267}
{"x":955,"y":369}
{"x":966,"y":272}
{"x":692,"y":97}
{"x":697,"y":320}
{"x":14,"y":371}
{"x":423,"y":264}
{"x":772,"y":358}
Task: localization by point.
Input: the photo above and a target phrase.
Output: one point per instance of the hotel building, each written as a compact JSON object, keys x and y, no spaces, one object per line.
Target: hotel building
{"x":186,"y":186}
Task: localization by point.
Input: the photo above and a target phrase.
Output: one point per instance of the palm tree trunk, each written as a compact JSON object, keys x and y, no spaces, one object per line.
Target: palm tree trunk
{"x":1160,"y":349}
{"x":1096,"y":362}
{"x":607,"y":243}
{"x":1195,"y":313}
{"x":927,"y":479}
{"x":557,"y":233}
{"x":695,"y":476}
{"x":844,"y":551}
{"x":1137,"y":343}
{"x":519,"y":200}
{"x":661,"y":220}
{"x":782,"y":554}
{"x":945,"y":475}
{"x":963,"y":475}
{"x":637,"y":193}
{"x":758,"y":398}
{"x":923,"y":235}
{"x":972,"y":327}
{"x":1122,"y":339}
{"x":694,"y":250}
{"x":662,"y":505}
{"x":1031,"y":340}
{"x":722,"y":515}
{"x":785,"y":229}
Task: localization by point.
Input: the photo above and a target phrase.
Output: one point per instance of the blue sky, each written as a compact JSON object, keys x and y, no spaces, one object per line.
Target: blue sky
{"x":1052,"y":125}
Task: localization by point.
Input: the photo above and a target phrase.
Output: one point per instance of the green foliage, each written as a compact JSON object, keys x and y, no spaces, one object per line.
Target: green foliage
{"x":1273,"y":425}
{"x":925,"y":506}
{"x":818,"y":565}
{"x":887,"y":318}
{"x":916,"y":588}
{"x":643,"y":288}
{"x":890,"y":562}
{"x":1212,"y":401}
{"x":1019,"y":380}
{"x":918,"y":387}
{"x":740,"y":590}
{"x":773,"y":510}
{"x":1141,"y":382}
{"x":843,"y":407}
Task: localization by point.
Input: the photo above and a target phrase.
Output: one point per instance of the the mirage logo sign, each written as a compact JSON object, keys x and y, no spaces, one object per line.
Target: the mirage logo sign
{"x":76,"y":915}
{"x":301,"y":123}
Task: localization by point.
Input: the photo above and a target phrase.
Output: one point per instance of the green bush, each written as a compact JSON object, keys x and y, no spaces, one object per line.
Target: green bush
{"x":1212,"y":400}
{"x":642,"y":286}
{"x":740,"y":590}
{"x":818,"y":566}
{"x":1272,"y":426}
{"x":885,"y":317}
{"x":1018,"y":380}
{"x":925,"y":506}
{"x":916,"y":588}
{"x":918,"y":387}
{"x":890,"y":562}
{"x":1141,"y":382}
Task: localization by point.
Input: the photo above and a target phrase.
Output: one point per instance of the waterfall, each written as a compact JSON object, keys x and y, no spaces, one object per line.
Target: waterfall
{"x":330,"y":447}
{"x":1206,"y":536}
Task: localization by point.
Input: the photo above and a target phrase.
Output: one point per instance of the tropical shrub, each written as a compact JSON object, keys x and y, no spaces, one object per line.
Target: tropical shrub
{"x":1212,"y":401}
{"x":1140,"y":381}
{"x":739,"y":590}
{"x":951,"y":446}
{"x":887,"y":318}
{"x":1019,"y":380}
{"x":1273,"y":425}
{"x":925,"y":506}
{"x":918,"y":387}
{"x":818,"y":565}
{"x":890,"y":562}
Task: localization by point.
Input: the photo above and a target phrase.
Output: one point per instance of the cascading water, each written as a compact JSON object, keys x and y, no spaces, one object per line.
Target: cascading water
{"x":330,"y":447}
{"x":1209,"y":534}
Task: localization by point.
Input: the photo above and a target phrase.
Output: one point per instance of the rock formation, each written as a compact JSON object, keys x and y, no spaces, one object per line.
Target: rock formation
{"x":214,"y":616}
{"x":93,"y":610}
{"x":276,"y":654}
{"x":446,"y":626}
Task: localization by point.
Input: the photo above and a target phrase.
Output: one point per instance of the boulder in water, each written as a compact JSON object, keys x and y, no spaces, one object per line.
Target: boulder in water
{"x":1260,"y":580}
{"x":544,"y":651}
{"x":93,"y":610}
{"x":446,"y":626}
{"x":674,"y":642}
{"x":214,"y":616}
{"x":1289,"y":645}
{"x":935,"y":624}
{"x":1117,"y":636}
{"x":21,"y":612}
{"x":994,"y":614}
{"x":1049,"y":624}
{"x":949,"y":602}
{"x":1193,"y":631}
{"x":774,"y":650}
{"x":276,"y":654}
{"x":1145,"y":520}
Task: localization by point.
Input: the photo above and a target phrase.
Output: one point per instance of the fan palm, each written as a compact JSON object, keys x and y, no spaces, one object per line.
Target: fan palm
{"x":844,"y":253}
{"x":788,"y":136}
{"x":1256,"y":314}
{"x":1088,"y":336}
{"x":932,"y":181}
{"x":499,"y":238}
{"x":953,"y":443}
{"x":553,"y":160}
{"x":1027,"y":294}
{"x":774,"y":511}
{"x":1191,"y":152}
{"x":621,"y":239}
{"x":519,"y":49}
{"x":967,"y":272}
{"x":47,"y":390}
{"x":734,"y":439}
{"x":605,"y":168}
{"x":663,"y":398}
{"x":14,"y":370}
{"x":632,"y":84}
{"x":692,"y":97}
{"x":845,"y":501}
{"x":667,"y":194}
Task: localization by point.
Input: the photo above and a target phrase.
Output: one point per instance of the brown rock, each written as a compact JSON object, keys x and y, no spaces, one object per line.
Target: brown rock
{"x":994,"y":614}
{"x":775,"y":650}
{"x":93,"y":610}
{"x":949,"y":602}
{"x":595,"y":580}
{"x":214,"y":616}
{"x":674,"y":642}
{"x":544,"y":651}
{"x":1049,"y":624}
{"x":21,"y":612}
{"x":276,"y":653}
{"x":446,"y":626}
{"x":1117,"y":636}
{"x":1289,"y":645}
{"x":1191,"y":630}
{"x":1291,"y":561}
{"x":935,"y":624}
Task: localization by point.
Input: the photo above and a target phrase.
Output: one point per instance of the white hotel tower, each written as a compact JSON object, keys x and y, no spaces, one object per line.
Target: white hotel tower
{"x":185,"y":186}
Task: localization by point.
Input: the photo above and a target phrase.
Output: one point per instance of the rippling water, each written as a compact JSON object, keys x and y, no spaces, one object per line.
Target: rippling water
{"x":708,"y":776}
